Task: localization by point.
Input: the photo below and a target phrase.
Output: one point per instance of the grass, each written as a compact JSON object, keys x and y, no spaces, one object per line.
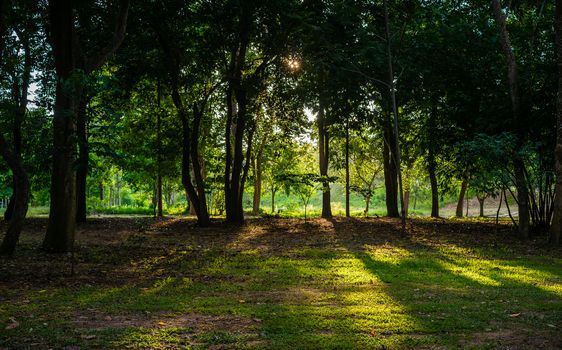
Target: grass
{"x":284,"y":284}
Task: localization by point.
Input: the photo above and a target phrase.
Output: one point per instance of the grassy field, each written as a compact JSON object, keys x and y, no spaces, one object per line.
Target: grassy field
{"x":142,"y":283}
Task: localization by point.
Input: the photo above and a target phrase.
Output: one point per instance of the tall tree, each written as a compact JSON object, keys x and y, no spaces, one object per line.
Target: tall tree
{"x":90,"y":60}
{"x":25,"y":31}
{"x":396,"y":150}
{"x":557,"y":218}
{"x":12,"y":156}
{"x":518,"y":163}
{"x":69,"y":59}
{"x":323,"y":158}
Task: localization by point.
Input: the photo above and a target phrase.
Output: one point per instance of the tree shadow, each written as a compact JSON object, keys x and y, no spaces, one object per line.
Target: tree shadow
{"x":341,"y":283}
{"x":449,"y":287}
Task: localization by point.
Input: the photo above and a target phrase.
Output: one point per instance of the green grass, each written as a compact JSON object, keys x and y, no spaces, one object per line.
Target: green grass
{"x":283,"y":284}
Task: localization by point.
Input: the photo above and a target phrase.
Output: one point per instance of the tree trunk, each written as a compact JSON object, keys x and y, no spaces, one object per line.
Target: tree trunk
{"x":257,"y":185}
{"x":82,"y":161}
{"x":20,"y":202}
{"x":556,"y":226}
{"x":236,"y":98}
{"x":481,"y":202}
{"x":20,"y":94}
{"x":367,"y":203}
{"x":11,"y":201}
{"x":62,"y":214}
{"x":406,"y":202}
{"x":390,"y":175}
{"x":499,"y":208}
{"x":347,"y":214}
{"x":67,"y":54}
{"x":190,"y":158}
{"x":246,"y":167}
{"x":324,"y":149}
{"x":191,"y":207}
{"x":519,"y":166}
{"x":203,"y":218}
{"x":460,"y":202}
{"x":159,"y":209}
{"x":235,"y":212}
{"x":273,"y":200}
{"x":396,"y":149}
{"x":433,"y":182}
{"x":522,"y":198}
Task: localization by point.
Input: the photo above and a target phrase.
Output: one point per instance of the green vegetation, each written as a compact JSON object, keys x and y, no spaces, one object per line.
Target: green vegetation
{"x":341,"y":284}
{"x":280,"y":174}
{"x":230,"y":108}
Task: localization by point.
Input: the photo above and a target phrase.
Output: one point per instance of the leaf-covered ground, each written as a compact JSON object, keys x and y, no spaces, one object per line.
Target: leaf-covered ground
{"x":144,"y":283}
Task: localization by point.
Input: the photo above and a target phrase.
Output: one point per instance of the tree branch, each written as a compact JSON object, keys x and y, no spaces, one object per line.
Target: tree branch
{"x":118,"y":37}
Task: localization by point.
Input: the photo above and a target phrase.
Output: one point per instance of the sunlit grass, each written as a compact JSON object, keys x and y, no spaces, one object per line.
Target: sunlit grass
{"x":345,"y":295}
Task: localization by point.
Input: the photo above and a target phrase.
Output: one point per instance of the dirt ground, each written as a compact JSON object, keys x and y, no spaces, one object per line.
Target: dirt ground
{"x":110,"y":252}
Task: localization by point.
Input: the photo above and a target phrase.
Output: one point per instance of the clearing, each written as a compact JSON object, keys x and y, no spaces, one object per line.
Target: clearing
{"x":144,"y":283}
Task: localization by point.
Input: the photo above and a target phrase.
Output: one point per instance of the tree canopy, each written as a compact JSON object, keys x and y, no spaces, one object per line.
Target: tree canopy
{"x":188,"y":107}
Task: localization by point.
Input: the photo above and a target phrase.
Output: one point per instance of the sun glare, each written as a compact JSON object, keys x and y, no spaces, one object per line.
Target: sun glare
{"x":293,"y":64}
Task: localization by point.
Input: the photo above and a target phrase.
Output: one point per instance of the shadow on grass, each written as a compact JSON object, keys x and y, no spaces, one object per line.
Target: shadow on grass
{"x":325,"y":284}
{"x":450,"y":288}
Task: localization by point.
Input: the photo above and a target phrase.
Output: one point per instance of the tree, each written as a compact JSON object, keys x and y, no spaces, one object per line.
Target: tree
{"x":23,"y":18}
{"x":68,"y":61}
{"x":512,"y":74}
{"x":365,"y":166}
{"x":396,"y":150}
{"x":303,"y":184}
{"x":12,"y":156}
{"x":282,"y":154}
{"x":557,"y":217}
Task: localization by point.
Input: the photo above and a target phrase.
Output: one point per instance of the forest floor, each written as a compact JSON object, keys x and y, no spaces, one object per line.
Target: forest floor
{"x":144,"y":283}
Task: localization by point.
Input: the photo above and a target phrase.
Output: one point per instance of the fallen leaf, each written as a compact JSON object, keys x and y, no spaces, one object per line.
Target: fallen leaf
{"x":515,"y":315}
{"x":13,"y":324}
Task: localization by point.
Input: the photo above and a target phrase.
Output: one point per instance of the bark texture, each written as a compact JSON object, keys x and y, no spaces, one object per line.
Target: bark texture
{"x":62,"y":213}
